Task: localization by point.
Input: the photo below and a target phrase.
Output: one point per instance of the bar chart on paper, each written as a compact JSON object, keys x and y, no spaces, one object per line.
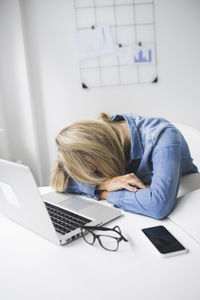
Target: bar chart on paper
{"x":116,"y":42}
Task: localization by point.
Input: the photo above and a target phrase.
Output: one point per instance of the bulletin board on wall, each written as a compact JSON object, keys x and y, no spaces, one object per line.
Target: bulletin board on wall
{"x":116,"y":42}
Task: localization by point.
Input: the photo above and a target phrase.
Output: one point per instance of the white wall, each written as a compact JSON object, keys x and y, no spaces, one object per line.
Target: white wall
{"x":4,"y":149}
{"x":16,"y":106}
{"x":57,"y":96}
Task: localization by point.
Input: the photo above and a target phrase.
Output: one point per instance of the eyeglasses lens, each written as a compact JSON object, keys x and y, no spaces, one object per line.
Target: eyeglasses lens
{"x":108,"y":242}
{"x":88,"y":237}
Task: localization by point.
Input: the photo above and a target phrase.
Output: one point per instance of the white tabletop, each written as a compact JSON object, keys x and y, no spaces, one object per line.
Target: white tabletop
{"x":32,"y":268}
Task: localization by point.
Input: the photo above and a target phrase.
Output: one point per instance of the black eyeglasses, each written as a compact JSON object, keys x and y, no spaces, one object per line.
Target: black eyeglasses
{"x":108,"y":242}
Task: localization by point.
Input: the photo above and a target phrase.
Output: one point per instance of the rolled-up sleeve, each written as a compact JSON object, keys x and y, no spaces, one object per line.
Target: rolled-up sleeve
{"x":159,"y":199}
{"x":82,"y":188}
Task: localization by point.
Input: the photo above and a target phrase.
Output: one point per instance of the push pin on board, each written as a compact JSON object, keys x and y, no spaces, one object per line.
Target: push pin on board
{"x":84,"y":86}
{"x":155,"y":79}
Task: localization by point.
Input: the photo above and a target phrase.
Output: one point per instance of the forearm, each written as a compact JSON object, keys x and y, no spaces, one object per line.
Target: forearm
{"x":145,"y":202}
{"x":158,"y":200}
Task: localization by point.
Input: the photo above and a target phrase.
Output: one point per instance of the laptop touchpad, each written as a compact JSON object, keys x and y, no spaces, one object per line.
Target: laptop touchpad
{"x":75,"y":203}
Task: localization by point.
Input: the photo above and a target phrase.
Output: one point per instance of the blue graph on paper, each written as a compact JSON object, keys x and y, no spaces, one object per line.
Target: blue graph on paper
{"x":142,"y":58}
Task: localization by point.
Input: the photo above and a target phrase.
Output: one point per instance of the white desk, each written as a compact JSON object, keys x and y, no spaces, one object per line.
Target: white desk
{"x":32,"y":268}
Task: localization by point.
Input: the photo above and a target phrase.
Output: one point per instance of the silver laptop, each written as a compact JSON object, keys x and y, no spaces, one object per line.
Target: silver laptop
{"x":56,"y":217}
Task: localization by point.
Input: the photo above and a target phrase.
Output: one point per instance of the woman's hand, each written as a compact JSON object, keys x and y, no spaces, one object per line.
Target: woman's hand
{"x":103,"y":195}
{"x":129,"y":182}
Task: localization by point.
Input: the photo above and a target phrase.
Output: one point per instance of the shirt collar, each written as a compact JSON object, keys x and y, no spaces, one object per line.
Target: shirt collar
{"x":137,"y":150}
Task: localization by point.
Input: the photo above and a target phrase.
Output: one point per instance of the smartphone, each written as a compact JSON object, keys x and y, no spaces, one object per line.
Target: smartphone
{"x":164,"y":241}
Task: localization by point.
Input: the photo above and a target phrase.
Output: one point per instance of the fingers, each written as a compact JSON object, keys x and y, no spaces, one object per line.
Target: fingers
{"x":139,"y":184}
{"x":129,"y":182}
{"x":130,"y":188}
{"x":132,"y":181}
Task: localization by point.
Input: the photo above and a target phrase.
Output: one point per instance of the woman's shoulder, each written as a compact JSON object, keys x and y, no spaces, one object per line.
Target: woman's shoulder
{"x":143,"y":122}
{"x":149,"y":128}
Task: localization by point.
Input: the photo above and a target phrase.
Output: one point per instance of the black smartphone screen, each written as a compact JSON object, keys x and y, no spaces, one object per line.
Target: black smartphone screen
{"x":162,"y":239}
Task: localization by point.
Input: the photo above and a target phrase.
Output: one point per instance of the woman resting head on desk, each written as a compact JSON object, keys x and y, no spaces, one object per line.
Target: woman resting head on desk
{"x":132,"y":161}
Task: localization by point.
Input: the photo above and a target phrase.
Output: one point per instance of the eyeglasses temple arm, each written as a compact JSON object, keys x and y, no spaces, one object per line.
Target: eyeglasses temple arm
{"x":104,"y":229}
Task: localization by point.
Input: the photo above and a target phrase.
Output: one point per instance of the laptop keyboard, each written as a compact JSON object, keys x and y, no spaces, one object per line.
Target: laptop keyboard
{"x":63,"y":220}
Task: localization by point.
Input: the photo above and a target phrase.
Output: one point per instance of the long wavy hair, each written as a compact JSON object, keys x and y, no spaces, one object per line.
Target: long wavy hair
{"x":90,"y":152}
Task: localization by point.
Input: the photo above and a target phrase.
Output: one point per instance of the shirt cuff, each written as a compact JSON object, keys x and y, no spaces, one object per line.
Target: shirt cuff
{"x":88,"y":190}
{"x":114,"y":198}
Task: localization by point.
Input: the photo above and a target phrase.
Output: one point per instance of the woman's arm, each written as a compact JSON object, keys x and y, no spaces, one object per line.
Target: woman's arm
{"x":129,"y":182}
{"x":159,"y":199}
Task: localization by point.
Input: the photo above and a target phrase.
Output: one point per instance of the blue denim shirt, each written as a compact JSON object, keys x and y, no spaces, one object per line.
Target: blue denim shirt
{"x":159,"y":156}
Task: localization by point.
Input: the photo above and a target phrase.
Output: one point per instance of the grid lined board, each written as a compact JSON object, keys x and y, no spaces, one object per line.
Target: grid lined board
{"x":132,"y":22}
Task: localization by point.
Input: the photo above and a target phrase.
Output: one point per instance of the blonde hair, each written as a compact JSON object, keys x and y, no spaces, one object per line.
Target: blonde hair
{"x":90,"y":152}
